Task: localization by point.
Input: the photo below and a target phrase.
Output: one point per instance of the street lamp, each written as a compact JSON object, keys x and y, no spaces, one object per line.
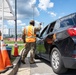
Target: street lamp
{"x":33,"y":6}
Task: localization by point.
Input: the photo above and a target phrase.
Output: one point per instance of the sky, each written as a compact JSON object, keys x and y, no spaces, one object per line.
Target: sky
{"x":44,"y":11}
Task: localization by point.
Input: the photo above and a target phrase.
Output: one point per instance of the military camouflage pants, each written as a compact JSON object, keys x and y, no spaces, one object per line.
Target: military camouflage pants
{"x":29,"y":47}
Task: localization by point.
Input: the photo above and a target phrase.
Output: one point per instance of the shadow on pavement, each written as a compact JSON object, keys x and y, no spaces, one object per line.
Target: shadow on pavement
{"x":69,"y":71}
{"x":35,"y":64}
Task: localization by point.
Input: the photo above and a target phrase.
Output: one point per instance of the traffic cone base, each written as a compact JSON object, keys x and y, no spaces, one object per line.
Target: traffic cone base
{"x":10,"y":66}
{"x":3,"y":71}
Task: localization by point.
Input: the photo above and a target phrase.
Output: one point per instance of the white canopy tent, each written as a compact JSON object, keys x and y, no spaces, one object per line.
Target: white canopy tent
{"x":5,"y":13}
{"x":8,"y":13}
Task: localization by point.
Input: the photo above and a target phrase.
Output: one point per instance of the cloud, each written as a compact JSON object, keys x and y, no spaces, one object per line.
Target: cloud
{"x":11,"y":22}
{"x":19,"y":23}
{"x":52,"y":14}
{"x":44,"y":4}
{"x":25,"y":9}
{"x":5,"y":26}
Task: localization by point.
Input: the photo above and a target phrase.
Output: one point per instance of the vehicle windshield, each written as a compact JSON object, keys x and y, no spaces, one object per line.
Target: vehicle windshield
{"x":68,"y":21}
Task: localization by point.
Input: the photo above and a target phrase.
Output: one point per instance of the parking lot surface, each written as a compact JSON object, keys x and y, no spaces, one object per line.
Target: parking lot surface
{"x":40,"y":67}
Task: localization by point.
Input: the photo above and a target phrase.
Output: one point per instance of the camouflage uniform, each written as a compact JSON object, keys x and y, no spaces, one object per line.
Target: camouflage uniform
{"x":30,"y":46}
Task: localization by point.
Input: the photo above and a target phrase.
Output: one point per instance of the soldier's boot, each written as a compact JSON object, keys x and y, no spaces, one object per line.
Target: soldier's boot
{"x":31,"y":57}
{"x":32,"y":61}
{"x":23,"y":60}
{"x":24,"y":54}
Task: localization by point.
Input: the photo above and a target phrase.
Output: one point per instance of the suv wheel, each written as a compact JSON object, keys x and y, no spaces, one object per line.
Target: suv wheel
{"x":56,"y":61}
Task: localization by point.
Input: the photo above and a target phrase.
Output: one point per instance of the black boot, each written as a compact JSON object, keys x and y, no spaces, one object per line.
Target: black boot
{"x":23,"y":62}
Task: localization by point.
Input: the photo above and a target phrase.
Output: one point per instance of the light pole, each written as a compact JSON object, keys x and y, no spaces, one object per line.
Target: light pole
{"x":15,"y":20}
{"x":15,"y":46}
{"x":2,"y":18}
{"x":33,"y":6}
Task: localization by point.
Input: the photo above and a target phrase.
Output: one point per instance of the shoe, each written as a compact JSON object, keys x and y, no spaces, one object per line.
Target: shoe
{"x":32,"y":62}
{"x":23,"y":62}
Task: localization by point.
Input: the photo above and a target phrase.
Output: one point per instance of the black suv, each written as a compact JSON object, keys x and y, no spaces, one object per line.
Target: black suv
{"x":57,"y":43}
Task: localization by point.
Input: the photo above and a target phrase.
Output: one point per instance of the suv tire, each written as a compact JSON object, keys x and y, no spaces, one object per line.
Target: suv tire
{"x":56,"y":61}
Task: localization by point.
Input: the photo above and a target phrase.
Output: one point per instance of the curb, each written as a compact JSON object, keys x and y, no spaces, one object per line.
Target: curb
{"x":16,"y":65}
{"x":13,"y":71}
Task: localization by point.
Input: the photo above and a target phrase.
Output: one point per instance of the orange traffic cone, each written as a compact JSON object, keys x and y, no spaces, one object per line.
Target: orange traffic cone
{"x":15,"y":49}
{"x":5,"y":57}
{"x":2,"y":67}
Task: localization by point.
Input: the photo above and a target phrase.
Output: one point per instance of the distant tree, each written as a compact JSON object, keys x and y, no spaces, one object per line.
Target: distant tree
{"x":12,"y":36}
{"x":19,"y":35}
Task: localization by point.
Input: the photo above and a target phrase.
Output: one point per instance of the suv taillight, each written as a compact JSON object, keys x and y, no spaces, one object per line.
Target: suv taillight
{"x":72,"y":31}
{"x":74,"y":56}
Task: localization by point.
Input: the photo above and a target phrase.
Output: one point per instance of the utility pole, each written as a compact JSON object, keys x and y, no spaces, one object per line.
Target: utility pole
{"x":15,"y":46}
{"x":15,"y":20}
{"x":2,"y":19}
{"x":9,"y":32}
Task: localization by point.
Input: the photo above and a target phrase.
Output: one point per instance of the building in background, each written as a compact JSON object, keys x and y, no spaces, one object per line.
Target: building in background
{"x":11,"y":32}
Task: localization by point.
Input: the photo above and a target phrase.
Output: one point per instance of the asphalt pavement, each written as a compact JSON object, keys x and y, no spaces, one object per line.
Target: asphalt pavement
{"x":24,"y":68}
{"x":40,"y":67}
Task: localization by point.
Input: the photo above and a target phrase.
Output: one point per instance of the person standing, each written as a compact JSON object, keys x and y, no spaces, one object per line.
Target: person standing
{"x":29,"y":37}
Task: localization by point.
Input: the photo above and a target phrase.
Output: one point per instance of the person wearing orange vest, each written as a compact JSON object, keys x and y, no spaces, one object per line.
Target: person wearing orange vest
{"x":29,"y":37}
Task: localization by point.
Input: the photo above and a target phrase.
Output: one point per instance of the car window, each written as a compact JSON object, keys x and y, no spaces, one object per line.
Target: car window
{"x":57,"y":25}
{"x":44,"y":31}
{"x":67,"y":21}
{"x":74,"y":18}
{"x":51,"y":26}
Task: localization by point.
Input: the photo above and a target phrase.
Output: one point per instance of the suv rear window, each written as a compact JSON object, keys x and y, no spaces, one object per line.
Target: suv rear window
{"x":68,"y":21}
{"x":74,"y":18}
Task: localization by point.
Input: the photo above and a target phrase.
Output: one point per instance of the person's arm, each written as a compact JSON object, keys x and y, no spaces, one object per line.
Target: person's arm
{"x":38,"y":28}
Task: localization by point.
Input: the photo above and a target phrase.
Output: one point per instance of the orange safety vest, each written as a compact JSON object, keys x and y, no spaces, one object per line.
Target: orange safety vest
{"x":30,"y":35}
{"x":0,"y":36}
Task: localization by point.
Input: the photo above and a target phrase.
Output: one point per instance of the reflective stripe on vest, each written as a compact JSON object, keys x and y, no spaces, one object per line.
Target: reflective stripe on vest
{"x":30,"y":36}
